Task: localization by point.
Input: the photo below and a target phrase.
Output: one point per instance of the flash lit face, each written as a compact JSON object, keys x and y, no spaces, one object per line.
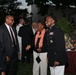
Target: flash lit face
{"x":34,"y":25}
{"x":39,"y":26}
{"x":22,"y":21}
{"x":49,"y":21}
{"x":10,"y":20}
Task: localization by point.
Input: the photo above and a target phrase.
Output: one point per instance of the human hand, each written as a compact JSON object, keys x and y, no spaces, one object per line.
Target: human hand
{"x":47,"y":59}
{"x":3,"y":73}
{"x":39,"y":49}
{"x":56,"y":63}
{"x":28,"y":47}
{"x":7,"y":59}
{"x":18,"y":54}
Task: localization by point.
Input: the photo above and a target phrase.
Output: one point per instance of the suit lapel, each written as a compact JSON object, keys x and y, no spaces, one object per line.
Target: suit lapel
{"x":6,"y":31}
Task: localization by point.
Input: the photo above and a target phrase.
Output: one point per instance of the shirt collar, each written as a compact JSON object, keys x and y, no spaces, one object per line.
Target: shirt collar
{"x":7,"y":25}
{"x":51,"y":26}
{"x":20,"y":24}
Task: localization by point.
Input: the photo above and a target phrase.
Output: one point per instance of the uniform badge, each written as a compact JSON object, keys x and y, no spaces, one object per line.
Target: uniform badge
{"x":51,"y":41}
{"x":51,"y":33}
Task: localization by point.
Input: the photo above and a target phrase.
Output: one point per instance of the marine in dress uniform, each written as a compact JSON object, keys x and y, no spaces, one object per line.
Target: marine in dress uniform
{"x":57,"y":57}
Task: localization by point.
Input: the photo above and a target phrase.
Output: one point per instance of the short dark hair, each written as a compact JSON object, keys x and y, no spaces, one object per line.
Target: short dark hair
{"x":42,"y":22}
{"x":52,"y":16}
{"x":21,"y":19}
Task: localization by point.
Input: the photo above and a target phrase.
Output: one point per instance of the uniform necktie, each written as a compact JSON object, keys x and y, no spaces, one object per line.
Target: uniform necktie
{"x":12,"y":36}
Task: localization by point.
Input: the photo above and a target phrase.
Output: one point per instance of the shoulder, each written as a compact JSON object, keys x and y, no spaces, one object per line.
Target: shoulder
{"x":2,"y":26}
{"x":22,"y":27}
{"x":17,"y":26}
{"x":29,"y":26}
{"x":58,"y":31}
{"x":2,"y":29}
{"x":56,"y":28}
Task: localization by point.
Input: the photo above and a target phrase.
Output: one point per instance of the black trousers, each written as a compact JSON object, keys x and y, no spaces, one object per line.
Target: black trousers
{"x":27,"y":54}
{"x":12,"y":64}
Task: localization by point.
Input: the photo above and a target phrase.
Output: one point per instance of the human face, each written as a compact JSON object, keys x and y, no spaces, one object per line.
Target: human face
{"x":39,"y":26}
{"x":34,"y":25}
{"x":49,"y":21}
{"x":22,"y":21}
{"x":10,"y":20}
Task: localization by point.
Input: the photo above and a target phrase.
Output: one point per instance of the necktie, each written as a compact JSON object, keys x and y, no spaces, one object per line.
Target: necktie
{"x":12,"y":36}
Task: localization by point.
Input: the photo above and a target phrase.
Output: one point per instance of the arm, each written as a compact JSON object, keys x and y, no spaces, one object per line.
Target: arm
{"x":59,"y":46}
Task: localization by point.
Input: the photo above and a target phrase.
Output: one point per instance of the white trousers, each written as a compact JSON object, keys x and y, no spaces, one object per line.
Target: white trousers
{"x":58,"y":70}
{"x":20,"y":46}
{"x":42,"y":65}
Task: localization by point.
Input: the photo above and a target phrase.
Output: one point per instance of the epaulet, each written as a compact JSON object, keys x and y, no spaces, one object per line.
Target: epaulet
{"x":58,"y":28}
{"x":55,"y":27}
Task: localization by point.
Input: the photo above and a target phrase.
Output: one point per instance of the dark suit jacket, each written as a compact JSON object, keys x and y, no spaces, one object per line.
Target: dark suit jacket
{"x":56,"y":46}
{"x":2,"y":63}
{"x":27,"y":35}
{"x":6,"y":41}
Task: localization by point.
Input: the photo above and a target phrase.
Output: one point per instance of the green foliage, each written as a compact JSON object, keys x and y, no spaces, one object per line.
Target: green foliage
{"x":43,"y":9}
{"x":42,"y":4}
{"x":65,"y":25}
{"x":64,"y":3}
{"x":25,"y":68}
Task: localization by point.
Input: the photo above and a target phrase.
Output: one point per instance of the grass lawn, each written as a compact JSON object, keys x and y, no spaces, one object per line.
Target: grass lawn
{"x":26,"y":69}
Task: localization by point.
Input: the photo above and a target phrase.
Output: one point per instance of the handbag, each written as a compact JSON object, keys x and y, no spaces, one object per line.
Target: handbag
{"x":38,"y":59}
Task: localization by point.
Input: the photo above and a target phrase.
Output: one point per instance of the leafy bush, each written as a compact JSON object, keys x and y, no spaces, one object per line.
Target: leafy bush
{"x":65,"y":25}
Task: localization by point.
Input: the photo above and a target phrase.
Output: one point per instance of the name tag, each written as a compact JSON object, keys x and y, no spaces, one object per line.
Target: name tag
{"x":51,"y":33}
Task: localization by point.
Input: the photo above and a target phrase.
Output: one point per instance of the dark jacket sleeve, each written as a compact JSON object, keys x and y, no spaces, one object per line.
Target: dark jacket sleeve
{"x":59,"y":44}
{"x":20,"y":32}
{"x":2,"y":40}
{"x":2,"y":64}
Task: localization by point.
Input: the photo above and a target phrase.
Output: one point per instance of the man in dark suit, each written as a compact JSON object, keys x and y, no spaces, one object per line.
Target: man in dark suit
{"x":9,"y":43}
{"x":27,"y":36}
{"x":57,"y":57}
